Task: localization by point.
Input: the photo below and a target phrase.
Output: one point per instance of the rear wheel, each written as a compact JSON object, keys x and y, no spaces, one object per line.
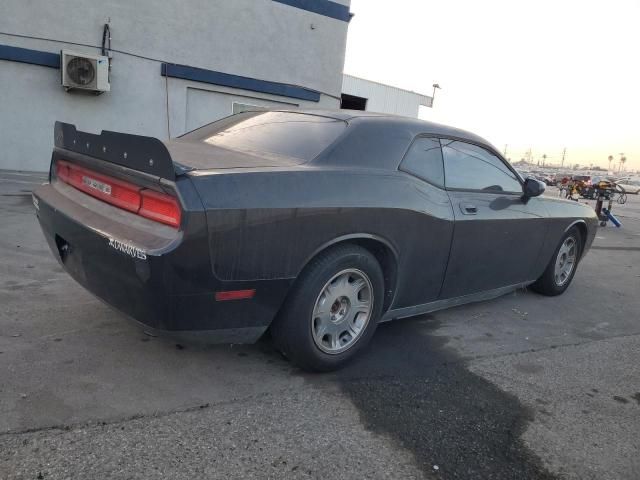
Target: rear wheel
{"x":333,"y":309}
{"x":562,"y":266}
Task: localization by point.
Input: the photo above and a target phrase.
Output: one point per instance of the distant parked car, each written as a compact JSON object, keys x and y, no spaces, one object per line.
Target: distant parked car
{"x":546,"y":179}
{"x":562,"y":178}
{"x":585,"y":179}
{"x":630,"y":186}
{"x":316,"y":224}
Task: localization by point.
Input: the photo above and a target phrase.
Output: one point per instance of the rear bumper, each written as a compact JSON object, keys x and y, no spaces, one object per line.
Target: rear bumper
{"x":209,"y":337}
{"x":155,"y":275}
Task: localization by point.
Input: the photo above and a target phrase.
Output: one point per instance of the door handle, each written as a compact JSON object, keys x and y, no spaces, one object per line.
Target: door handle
{"x":468,"y":209}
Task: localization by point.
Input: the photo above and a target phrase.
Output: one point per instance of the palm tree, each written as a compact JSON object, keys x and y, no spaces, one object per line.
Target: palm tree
{"x":610,"y":160}
{"x":623,"y":160}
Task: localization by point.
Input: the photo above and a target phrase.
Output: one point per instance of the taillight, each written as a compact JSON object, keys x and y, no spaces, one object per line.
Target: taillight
{"x":116,"y":192}
{"x":147,"y":203}
{"x":62,"y":171}
{"x":160,"y":207}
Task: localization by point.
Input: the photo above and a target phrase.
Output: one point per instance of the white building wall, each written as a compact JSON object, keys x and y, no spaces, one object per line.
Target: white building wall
{"x":261,"y":39}
{"x":385,"y":98}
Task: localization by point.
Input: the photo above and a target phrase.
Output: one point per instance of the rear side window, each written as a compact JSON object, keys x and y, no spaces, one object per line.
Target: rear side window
{"x":289,"y":134}
{"x":424,"y":160}
{"x":471,"y":167}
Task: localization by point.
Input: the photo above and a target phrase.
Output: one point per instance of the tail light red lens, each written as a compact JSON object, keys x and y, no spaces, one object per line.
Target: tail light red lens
{"x":160,"y":207}
{"x":156,"y":206}
{"x":62,"y":171}
{"x":113,"y":191}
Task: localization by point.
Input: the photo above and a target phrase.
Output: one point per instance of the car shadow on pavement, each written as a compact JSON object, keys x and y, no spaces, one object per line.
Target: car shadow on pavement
{"x":407,"y":385}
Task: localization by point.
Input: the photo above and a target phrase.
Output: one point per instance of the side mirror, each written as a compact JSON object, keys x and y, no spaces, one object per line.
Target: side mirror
{"x":533,"y":187}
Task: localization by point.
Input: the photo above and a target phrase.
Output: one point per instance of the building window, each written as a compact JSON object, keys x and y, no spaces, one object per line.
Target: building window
{"x":246,"y":107}
{"x":351,"y":102}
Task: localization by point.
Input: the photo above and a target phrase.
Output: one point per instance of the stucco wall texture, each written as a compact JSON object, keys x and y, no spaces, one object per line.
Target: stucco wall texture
{"x":261,"y":39}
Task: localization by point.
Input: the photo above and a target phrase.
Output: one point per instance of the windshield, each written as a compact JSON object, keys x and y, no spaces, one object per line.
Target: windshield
{"x":289,"y":134}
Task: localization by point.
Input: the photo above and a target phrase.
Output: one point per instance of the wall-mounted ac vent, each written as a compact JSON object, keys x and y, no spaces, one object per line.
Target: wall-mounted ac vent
{"x":85,"y":72}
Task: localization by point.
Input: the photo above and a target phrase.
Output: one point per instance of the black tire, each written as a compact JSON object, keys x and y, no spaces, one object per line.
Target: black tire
{"x":292,"y":329}
{"x":547,"y":284}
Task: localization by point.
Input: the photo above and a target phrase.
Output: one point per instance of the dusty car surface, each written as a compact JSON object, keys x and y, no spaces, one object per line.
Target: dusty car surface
{"x":317,"y":225}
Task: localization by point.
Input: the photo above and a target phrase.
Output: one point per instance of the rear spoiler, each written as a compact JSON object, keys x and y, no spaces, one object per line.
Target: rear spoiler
{"x":145,"y":154}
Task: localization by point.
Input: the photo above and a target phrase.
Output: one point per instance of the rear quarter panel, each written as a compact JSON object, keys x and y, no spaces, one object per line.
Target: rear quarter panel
{"x":269,"y":224}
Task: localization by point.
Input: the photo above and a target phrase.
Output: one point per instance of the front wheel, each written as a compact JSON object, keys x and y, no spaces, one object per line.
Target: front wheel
{"x":562,"y":266}
{"x":332,"y":311}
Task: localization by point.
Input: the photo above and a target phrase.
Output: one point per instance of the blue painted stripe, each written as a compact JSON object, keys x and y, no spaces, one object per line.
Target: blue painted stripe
{"x":322,"y":7}
{"x":235,"y":81}
{"x":25,"y":55}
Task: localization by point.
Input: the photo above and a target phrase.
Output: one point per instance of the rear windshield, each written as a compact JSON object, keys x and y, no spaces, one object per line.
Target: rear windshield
{"x":294,"y":135}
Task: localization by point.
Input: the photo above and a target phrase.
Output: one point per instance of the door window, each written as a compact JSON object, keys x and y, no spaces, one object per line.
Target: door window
{"x":424,"y":160}
{"x":470,"y":167}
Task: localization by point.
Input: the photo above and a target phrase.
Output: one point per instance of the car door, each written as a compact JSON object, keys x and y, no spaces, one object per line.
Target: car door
{"x":429,"y":238}
{"x":497,"y":234}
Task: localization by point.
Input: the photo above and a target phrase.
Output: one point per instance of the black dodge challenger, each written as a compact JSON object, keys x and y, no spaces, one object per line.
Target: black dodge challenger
{"x":317,"y":225}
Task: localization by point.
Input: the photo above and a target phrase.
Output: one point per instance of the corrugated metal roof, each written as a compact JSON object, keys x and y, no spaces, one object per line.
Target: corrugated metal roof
{"x":385,"y":98}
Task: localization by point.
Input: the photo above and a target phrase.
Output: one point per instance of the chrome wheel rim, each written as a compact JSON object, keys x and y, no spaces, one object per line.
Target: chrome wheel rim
{"x":342,"y":311}
{"x":565,"y":261}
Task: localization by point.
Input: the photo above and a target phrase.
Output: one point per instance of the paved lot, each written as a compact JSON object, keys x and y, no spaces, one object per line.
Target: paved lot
{"x":520,"y":387}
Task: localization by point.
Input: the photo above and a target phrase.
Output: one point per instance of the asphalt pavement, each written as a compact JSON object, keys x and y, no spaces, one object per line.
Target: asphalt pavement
{"x":523,"y":386}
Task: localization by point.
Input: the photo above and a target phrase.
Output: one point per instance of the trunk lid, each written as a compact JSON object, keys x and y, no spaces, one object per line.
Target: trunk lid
{"x":132,"y":173}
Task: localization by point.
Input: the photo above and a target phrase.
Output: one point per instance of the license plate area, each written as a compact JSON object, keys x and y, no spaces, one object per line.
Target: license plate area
{"x":96,"y":185}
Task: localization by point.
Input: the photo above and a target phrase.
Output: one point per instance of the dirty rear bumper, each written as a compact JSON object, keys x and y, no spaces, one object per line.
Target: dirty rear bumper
{"x":162,"y":280}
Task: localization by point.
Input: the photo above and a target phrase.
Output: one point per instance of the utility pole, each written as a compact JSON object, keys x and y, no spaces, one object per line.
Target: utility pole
{"x":564,"y":152}
{"x":433,"y":95}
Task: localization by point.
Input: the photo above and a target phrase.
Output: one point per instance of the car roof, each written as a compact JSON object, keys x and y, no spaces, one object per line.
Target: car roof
{"x":380,"y":140}
{"x":414,"y":125}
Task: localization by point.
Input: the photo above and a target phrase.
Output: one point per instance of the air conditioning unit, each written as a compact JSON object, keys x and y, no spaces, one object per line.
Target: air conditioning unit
{"x":85,"y":72}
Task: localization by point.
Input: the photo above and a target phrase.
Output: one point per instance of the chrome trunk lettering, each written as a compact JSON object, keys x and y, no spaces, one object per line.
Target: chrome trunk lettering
{"x":127,"y":249}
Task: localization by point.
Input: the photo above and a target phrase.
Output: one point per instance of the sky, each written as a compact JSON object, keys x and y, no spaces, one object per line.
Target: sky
{"x":544,"y":74}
